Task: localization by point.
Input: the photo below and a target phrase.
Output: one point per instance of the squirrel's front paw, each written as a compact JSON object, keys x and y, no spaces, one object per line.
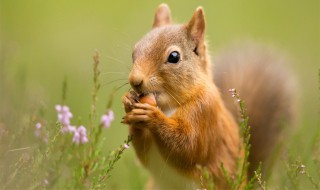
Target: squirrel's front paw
{"x":128,"y":100}
{"x":144,"y":114}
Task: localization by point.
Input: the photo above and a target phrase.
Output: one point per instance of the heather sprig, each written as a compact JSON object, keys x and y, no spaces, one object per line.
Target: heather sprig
{"x":301,"y":169}
{"x":258,"y":177}
{"x":240,"y":180}
{"x":96,"y":86}
{"x":94,"y":160}
{"x":64,"y":116}
{"x":70,"y":147}
{"x":243,"y":164}
{"x":206,"y":179}
{"x":113,"y":157}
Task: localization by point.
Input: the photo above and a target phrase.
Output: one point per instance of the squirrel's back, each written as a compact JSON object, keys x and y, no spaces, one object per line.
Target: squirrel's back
{"x":258,"y":74}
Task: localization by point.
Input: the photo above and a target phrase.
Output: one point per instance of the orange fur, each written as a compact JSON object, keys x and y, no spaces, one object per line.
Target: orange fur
{"x":191,"y":125}
{"x":201,"y":131}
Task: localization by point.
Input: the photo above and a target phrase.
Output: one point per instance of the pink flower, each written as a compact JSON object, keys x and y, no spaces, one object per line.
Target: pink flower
{"x":80,"y":135}
{"x":72,"y":129}
{"x":64,"y":116}
{"x":38,"y":125}
{"x":106,"y":119}
{"x":37,"y":132}
{"x":233,"y":92}
{"x":68,"y":128}
{"x":126,"y":146}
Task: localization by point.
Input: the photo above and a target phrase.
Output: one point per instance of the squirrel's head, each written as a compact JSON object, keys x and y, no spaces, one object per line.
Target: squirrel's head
{"x":171,"y":60}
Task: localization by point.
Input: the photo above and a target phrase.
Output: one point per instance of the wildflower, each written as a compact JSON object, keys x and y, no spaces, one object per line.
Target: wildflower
{"x":68,"y":128}
{"x":233,"y":92}
{"x":126,"y":146}
{"x":37,"y":132}
{"x":38,"y":125}
{"x":80,"y":135}
{"x":72,"y":129}
{"x":106,"y":119}
{"x":64,"y":116}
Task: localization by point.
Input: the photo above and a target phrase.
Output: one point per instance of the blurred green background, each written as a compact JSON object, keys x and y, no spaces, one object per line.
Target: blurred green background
{"x":41,"y":42}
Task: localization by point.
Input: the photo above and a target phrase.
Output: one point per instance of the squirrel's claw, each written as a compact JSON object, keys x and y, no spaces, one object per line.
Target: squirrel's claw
{"x":128,"y":100}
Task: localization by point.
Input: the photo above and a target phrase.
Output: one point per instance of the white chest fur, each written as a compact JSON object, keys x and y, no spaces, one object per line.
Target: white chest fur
{"x":166,"y":177}
{"x":170,"y":112}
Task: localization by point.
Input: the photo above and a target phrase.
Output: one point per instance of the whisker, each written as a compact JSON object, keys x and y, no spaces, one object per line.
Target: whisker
{"x":126,"y":46}
{"x":105,"y":73}
{"x":170,"y":106}
{"x":126,"y":36}
{"x":114,"y":91}
{"x":118,"y":88}
{"x":119,"y":61}
{"x":109,"y":82}
{"x":171,"y":94}
{"x":114,"y":59}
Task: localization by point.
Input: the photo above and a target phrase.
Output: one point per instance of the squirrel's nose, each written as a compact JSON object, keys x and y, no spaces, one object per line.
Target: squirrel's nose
{"x":136,"y":78}
{"x":137,"y":85}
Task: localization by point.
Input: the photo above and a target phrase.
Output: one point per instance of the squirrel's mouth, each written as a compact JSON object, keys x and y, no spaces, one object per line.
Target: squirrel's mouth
{"x":155,"y":93}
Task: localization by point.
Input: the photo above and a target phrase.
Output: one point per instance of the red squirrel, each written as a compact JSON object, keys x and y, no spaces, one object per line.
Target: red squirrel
{"x":176,"y":115}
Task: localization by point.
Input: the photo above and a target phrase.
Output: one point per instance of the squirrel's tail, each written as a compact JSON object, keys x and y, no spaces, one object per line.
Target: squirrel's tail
{"x":259,"y":75}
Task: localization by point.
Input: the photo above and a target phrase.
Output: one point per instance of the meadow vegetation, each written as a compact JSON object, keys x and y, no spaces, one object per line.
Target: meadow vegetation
{"x":62,"y":154}
{"x":60,"y":109}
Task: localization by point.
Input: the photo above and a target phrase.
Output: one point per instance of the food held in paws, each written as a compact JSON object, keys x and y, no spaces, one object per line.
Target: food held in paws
{"x":148,"y":99}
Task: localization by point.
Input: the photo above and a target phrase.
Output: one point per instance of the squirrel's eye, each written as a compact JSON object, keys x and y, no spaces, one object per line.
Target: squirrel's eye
{"x":174,"y":57}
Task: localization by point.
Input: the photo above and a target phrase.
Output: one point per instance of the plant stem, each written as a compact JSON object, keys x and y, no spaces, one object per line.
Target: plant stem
{"x":96,"y":87}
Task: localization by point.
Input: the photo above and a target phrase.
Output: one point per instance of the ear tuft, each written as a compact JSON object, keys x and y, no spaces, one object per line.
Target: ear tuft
{"x":197,"y":25}
{"x":162,"y":16}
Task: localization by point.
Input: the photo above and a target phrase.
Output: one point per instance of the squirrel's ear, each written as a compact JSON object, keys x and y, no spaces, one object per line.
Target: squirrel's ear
{"x":196,"y":26}
{"x":163,"y":16}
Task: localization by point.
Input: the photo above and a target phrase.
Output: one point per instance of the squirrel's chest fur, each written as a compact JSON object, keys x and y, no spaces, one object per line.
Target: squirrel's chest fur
{"x":165,"y":176}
